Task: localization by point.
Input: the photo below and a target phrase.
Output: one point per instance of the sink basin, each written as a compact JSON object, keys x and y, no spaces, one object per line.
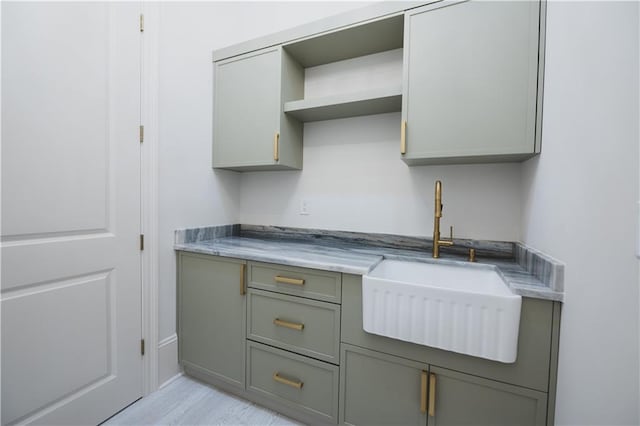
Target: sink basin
{"x":466,"y":309}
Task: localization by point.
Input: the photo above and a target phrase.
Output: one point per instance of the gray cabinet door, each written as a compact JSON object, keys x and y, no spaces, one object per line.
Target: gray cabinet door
{"x":211,"y":317}
{"x":380,"y":389}
{"x":470,"y":81}
{"x":250,"y":129}
{"x":462,"y":399}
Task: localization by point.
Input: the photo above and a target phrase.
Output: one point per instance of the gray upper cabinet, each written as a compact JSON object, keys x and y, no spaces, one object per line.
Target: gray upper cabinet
{"x":212,"y":317}
{"x":470,"y":85}
{"x":471,"y":90}
{"x":250,"y":129}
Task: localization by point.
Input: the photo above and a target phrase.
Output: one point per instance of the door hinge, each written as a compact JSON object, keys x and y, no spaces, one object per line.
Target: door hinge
{"x":141,"y":23}
{"x":141,"y":242}
{"x":142,"y":347}
{"x":141,"y":133}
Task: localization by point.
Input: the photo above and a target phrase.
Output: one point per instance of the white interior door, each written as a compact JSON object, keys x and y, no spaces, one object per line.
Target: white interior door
{"x":71,"y":285}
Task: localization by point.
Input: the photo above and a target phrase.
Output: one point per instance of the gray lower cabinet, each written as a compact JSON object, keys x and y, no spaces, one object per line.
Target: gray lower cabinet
{"x":250,"y":129}
{"x":285,"y":346}
{"x":298,"y":382}
{"x":305,"y":326}
{"x":381,"y":375}
{"x":471,"y":82}
{"x":381,"y":389}
{"x":463,"y":399}
{"x":212,"y":317}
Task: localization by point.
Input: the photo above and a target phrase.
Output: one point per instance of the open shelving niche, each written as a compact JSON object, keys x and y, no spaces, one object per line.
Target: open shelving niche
{"x":373,"y":37}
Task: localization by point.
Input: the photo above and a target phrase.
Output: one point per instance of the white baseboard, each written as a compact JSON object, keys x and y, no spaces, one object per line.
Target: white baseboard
{"x":168,"y":368}
{"x":171,"y":380}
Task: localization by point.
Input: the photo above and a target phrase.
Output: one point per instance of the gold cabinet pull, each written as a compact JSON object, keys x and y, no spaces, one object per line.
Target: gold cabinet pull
{"x":276,"y":146}
{"x":432,"y":395}
{"x":243,"y":289}
{"x":293,"y":383}
{"x":423,"y":392}
{"x":403,"y":137}
{"x":286,"y":324}
{"x":285,"y":280}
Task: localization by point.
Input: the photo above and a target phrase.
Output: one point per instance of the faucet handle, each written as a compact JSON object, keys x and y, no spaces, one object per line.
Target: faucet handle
{"x":451,"y":232}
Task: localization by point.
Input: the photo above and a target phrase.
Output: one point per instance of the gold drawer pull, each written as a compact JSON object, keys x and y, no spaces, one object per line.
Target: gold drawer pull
{"x":432,"y":394}
{"x":403,"y":137}
{"x":287,"y":324}
{"x":276,"y":146}
{"x":243,"y":269}
{"x":285,"y":280}
{"x":293,"y":383}
{"x":423,"y":392}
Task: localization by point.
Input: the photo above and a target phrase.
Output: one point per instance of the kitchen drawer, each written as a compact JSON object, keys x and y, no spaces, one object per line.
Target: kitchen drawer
{"x":305,"y":326}
{"x":311,"y":283}
{"x":296,"y":381}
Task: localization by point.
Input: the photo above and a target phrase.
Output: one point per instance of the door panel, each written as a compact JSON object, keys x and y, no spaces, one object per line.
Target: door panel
{"x":380,"y":389}
{"x":462,"y":399}
{"x":70,"y":294}
{"x":471,"y":75}
{"x":246,"y":110}
{"x":212,"y":316}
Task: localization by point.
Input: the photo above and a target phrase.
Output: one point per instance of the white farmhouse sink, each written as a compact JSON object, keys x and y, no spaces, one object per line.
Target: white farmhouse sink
{"x":467,"y":309}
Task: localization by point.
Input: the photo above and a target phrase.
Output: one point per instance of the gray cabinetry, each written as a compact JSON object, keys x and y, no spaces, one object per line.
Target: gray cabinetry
{"x":468,"y":390}
{"x":211,"y":317}
{"x":250,"y":128}
{"x":471,"y":82}
{"x":471,"y":90}
{"x":379,"y":389}
{"x":300,"y":383}
{"x":294,"y":311}
{"x":309,"y":327}
{"x":310,"y":358}
{"x":463,"y":399}
{"x":304,"y":282}
{"x":531,"y":369}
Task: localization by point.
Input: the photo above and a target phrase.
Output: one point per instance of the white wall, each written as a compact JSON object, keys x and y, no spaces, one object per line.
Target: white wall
{"x":354,"y":180}
{"x":579,"y":202}
{"x":191,"y":193}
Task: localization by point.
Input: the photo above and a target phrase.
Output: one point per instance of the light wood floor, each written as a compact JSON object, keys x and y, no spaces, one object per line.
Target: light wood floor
{"x":188,"y":402}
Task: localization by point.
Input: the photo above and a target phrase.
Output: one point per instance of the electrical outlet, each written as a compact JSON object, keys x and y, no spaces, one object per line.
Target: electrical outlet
{"x":304,"y":207}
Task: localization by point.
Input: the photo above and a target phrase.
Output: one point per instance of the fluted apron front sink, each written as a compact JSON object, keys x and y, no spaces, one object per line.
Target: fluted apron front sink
{"x":467,"y":309}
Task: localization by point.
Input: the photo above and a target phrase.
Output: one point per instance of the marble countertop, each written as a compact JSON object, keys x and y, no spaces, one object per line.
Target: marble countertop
{"x":357,"y":259}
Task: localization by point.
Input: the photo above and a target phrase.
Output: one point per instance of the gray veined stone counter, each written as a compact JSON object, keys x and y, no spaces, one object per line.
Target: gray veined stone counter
{"x":527,"y":271}
{"x":287,"y":253}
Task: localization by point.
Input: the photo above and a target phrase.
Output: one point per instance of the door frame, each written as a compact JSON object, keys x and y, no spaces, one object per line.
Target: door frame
{"x":149,"y":188}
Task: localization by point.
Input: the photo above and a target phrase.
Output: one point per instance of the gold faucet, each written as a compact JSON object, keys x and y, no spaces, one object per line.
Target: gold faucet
{"x":437,"y":242}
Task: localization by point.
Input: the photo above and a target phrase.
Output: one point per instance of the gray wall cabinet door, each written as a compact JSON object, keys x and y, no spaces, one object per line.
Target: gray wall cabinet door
{"x":380,"y":389}
{"x":211,"y":317}
{"x":462,"y":399}
{"x":250,"y":129}
{"x":470,"y":82}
